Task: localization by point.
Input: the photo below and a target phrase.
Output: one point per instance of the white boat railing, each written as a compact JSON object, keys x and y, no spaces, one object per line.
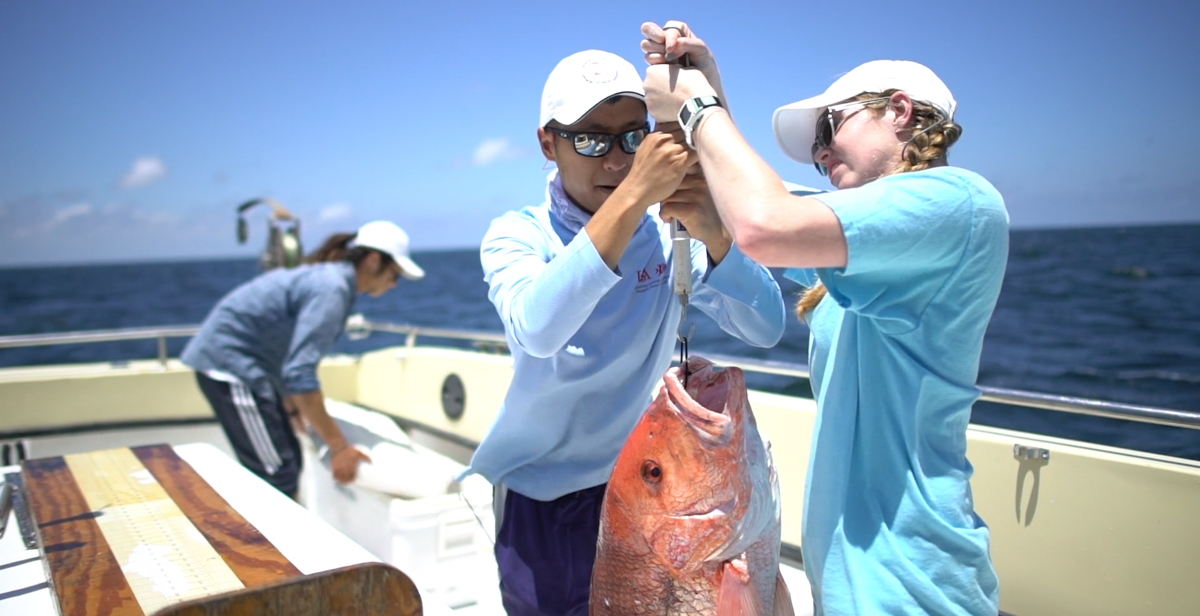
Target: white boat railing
{"x":357,"y":327}
{"x":1014,"y":397}
{"x":103,"y":335}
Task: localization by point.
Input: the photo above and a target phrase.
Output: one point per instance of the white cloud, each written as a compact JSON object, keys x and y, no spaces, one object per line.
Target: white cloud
{"x":492,"y":150}
{"x":60,"y":216}
{"x":336,"y":211}
{"x":69,"y":212}
{"x":145,"y":170}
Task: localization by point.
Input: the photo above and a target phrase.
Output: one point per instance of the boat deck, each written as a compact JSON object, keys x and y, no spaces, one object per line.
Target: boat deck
{"x":306,"y":542}
{"x":1076,"y":527}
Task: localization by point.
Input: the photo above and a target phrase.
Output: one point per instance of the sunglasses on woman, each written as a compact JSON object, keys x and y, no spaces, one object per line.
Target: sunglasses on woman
{"x":828,"y":125}
{"x":393,"y":271}
{"x":596,"y":145}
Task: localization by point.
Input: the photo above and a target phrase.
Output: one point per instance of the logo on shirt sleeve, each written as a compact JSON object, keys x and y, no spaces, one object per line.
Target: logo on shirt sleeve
{"x":651,"y":277}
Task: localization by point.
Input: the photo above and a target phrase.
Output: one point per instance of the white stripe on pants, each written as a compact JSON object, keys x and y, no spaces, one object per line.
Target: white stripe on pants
{"x":255,"y":428}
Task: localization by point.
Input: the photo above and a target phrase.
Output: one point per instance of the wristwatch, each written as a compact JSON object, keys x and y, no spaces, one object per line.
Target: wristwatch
{"x":690,"y":113}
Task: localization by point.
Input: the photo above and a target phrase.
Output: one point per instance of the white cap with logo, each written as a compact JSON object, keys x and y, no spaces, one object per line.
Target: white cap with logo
{"x":392,"y":241}
{"x":585,"y":79}
{"x":796,"y":124}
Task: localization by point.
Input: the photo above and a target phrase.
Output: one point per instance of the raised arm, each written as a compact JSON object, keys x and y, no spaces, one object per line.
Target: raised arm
{"x":658,"y":168}
{"x":770,"y":225}
{"x":544,"y":299}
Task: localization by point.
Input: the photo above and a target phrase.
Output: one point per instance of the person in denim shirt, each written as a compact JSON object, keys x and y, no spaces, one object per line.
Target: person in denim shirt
{"x":257,"y":352}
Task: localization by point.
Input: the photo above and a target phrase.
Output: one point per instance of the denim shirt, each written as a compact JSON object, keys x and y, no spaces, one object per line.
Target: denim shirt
{"x":272,"y":331}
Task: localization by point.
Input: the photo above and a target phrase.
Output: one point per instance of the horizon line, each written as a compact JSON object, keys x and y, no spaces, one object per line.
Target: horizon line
{"x":14,"y":265}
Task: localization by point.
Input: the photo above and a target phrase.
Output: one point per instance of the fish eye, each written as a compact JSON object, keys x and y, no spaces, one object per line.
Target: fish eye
{"x":651,"y":471}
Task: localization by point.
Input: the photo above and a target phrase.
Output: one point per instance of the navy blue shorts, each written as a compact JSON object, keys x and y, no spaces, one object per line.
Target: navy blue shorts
{"x":545,"y":551}
{"x":258,"y":429}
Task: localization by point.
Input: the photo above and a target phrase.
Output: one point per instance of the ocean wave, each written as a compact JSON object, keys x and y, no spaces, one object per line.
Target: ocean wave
{"x":1138,"y":375}
{"x":1136,"y":272}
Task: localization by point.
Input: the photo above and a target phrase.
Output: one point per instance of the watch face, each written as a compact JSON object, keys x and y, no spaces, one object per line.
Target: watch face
{"x":691,"y":109}
{"x":685,"y":113}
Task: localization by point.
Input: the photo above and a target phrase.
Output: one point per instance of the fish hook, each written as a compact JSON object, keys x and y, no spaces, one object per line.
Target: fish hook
{"x":683,"y":343}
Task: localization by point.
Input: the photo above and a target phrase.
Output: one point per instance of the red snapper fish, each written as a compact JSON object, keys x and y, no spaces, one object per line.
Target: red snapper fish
{"x":690,"y":521}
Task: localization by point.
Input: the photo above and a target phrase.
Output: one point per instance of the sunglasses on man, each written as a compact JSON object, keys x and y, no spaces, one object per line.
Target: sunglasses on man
{"x":828,"y":124}
{"x":597,"y":145}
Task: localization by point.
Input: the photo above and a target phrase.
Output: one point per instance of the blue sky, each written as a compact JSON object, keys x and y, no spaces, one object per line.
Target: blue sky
{"x":131,"y":130}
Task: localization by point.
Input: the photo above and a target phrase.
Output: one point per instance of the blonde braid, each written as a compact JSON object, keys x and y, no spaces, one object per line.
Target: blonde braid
{"x":932,"y":137}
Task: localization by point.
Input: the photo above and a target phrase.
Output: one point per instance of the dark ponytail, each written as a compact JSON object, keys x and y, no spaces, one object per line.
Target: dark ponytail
{"x":336,"y":248}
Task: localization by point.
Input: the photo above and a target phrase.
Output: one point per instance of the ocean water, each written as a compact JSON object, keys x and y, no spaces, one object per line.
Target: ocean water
{"x":1106,"y":313}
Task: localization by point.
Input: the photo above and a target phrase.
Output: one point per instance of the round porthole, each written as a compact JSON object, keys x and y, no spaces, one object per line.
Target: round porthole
{"x":454,"y":397}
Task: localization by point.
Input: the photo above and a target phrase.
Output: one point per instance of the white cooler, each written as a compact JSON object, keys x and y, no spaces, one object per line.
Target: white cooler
{"x":440,"y":533}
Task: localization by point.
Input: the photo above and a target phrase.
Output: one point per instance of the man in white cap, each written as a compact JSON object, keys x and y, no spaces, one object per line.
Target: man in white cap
{"x":583,"y":285}
{"x":257,"y":351}
{"x":904,"y":264}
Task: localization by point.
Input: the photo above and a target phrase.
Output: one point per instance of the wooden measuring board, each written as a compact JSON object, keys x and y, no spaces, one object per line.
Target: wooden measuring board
{"x":132,"y":531}
{"x":372,"y":589}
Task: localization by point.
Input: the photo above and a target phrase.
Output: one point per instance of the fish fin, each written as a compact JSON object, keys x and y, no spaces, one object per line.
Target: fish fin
{"x":783,"y":597}
{"x":737,"y":596}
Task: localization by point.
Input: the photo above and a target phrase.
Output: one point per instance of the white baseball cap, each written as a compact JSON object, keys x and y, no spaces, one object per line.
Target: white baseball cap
{"x":585,"y":79}
{"x":392,"y":241}
{"x":795,"y":124}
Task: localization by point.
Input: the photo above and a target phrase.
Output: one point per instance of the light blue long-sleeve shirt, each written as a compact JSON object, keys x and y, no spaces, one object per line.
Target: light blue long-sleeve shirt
{"x":589,"y":344}
{"x":272,"y":331}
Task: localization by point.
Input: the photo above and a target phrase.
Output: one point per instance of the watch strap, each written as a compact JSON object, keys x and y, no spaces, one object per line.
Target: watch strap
{"x":692,"y":111}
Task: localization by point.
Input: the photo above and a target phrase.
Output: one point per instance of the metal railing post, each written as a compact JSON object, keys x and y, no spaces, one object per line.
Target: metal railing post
{"x":162,"y":352}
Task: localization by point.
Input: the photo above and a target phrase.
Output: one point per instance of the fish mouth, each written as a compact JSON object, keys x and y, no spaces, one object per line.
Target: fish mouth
{"x":706,"y":412}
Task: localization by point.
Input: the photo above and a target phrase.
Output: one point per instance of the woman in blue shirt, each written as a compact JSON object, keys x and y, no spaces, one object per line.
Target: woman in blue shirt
{"x":904,"y":262}
{"x":257,"y":352}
